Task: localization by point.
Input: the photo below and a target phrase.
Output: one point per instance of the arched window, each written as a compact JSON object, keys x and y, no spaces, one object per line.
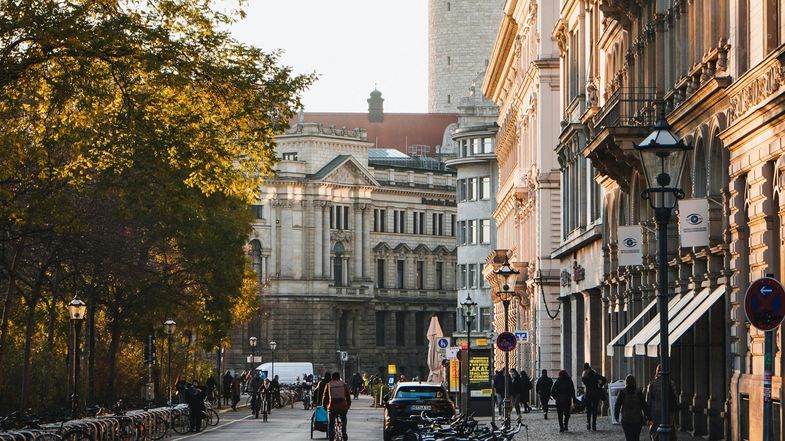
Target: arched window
{"x":338,"y":268}
{"x":256,"y":258}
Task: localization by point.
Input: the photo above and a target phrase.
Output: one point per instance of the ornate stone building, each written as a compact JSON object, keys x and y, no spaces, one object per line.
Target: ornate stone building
{"x":523,"y":79}
{"x":715,"y":70}
{"x":460,"y":38}
{"x":354,"y":247}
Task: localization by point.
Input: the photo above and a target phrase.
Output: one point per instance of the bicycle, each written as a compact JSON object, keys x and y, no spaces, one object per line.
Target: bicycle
{"x":338,"y":429}
{"x":210,"y":414}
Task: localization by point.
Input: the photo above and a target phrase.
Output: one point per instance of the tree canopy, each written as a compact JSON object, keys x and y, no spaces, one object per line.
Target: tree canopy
{"x":135,"y":134}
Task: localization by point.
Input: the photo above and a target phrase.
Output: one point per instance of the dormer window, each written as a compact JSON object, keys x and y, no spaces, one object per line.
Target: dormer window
{"x":289,"y":156}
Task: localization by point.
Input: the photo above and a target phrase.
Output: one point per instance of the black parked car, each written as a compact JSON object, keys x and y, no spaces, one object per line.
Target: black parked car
{"x":413,"y":398}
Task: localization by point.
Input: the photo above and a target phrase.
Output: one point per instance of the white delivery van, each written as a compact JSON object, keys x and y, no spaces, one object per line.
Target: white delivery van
{"x":287,"y":372}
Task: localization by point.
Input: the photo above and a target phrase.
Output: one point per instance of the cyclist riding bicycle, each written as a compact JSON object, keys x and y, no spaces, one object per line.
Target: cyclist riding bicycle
{"x":253,"y":387}
{"x":337,"y":400}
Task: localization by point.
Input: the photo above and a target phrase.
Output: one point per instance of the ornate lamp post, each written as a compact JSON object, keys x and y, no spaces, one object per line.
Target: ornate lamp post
{"x":506,"y":277}
{"x":76,"y":311}
{"x":662,"y":156}
{"x":252,"y":341}
{"x":273,"y":345}
{"x":169,"y":327}
{"x":468,"y":306}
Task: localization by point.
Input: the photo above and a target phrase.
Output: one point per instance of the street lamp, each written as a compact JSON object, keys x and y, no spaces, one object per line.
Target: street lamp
{"x":662,"y":156}
{"x":252,"y":342}
{"x":468,"y":306}
{"x":76,"y":311}
{"x":169,"y":327}
{"x":273,"y":345}
{"x":506,"y":276}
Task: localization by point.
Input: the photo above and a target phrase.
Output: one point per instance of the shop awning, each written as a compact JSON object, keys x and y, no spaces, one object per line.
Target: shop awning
{"x":620,"y":339}
{"x":637,"y":345}
{"x":687,"y":318}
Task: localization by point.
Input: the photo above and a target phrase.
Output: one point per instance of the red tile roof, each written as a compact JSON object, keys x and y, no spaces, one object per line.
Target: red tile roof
{"x":397,"y":131}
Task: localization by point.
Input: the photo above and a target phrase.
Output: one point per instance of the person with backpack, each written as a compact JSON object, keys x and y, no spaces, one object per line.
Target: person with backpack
{"x":631,"y":407}
{"x":543,"y":389}
{"x":593,"y":382}
{"x":337,"y":400}
{"x":563,"y":391}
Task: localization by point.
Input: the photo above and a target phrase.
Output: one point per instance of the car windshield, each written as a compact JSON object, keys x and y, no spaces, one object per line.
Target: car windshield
{"x":419,"y":392}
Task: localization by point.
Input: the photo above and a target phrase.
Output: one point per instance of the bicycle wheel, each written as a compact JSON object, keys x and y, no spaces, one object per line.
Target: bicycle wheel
{"x":338,"y":430}
{"x":181,"y":423}
{"x":212,"y":417}
{"x":141,"y":430}
{"x":159,"y":429}
{"x":127,"y":430}
{"x":76,"y":434}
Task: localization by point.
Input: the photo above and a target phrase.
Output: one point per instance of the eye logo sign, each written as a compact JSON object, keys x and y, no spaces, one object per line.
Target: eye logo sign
{"x":630,"y":242}
{"x":695,"y":219}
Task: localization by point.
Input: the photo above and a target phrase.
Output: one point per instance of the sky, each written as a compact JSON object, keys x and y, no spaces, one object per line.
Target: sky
{"x":353,"y":45}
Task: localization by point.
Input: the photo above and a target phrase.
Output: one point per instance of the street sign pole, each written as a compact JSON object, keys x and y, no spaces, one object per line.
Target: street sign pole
{"x":767,"y":368}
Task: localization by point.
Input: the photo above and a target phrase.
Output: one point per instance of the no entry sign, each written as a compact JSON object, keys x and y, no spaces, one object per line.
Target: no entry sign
{"x":506,"y":341}
{"x":764,"y":303}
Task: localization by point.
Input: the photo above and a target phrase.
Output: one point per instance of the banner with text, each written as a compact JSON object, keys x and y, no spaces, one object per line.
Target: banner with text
{"x":694,"y":222}
{"x":630,"y":245}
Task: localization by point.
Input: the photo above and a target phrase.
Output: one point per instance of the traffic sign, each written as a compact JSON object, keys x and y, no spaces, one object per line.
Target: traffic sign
{"x":522,"y":336}
{"x":764,"y":303}
{"x":443,"y":342}
{"x":506,"y":341}
{"x":452,"y":353}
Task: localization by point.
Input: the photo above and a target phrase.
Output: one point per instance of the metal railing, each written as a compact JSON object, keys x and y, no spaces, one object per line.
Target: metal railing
{"x":628,"y":107}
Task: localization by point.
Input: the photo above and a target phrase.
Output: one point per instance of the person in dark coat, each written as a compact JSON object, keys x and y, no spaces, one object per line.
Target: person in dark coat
{"x":654,"y":402}
{"x":356,"y":383}
{"x":227,"y":387}
{"x":525,"y":391}
{"x":181,"y":387}
{"x":563,"y":391}
{"x":210,"y":387}
{"x":195,"y":399}
{"x":543,"y":389}
{"x":317,"y":396}
{"x":592,"y":382}
{"x":236,"y":389}
{"x":631,"y":407}
{"x":498,"y":387}
{"x":516,"y":389}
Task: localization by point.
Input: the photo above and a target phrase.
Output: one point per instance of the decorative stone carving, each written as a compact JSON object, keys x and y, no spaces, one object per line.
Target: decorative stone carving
{"x":341,"y":235}
{"x":763,"y":86}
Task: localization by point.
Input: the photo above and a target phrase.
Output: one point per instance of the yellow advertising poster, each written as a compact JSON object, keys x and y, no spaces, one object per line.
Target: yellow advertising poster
{"x":454,"y":370}
{"x":479,"y":370}
{"x":391,"y":369}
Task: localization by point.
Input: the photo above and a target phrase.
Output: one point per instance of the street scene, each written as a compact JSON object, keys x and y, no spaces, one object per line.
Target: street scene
{"x":413,"y":220}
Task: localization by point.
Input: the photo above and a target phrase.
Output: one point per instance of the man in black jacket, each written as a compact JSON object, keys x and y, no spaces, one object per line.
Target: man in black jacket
{"x":195,"y":398}
{"x":543,"y":389}
{"x":563,"y":391}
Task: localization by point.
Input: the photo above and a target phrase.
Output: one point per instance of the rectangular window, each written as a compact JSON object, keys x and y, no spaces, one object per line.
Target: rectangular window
{"x":485,"y":188}
{"x":471,"y":275}
{"x":380,"y":273}
{"x":461,"y":190}
{"x":379,"y":220}
{"x":449,"y":60}
{"x":485,"y":231}
{"x":400,"y":328}
{"x":339,"y":217}
{"x":471,"y":189}
{"x":485,"y":319}
{"x":439,"y":275}
{"x":399,"y":275}
{"x":420,"y":329}
{"x":434,"y":225}
{"x":483,"y":282}
{"x":462,"y":233}
{"x":464,"y":147}
{"x":744,"y":418}
{"x":471,"y":232}
{"x":452,"y":225}
{"x":441,"y":224}
{"x":420,"y":274}
{"x":332,"y":217}
{"x":345,"y":218}
{"x":418,"y":223}
{"x":487,"y":145}
{"x":399,"y":221}
{"x":462,"y":276}
{"x":476,"y":149}
{"x":380,"y":327}
{"x":289,"y":156}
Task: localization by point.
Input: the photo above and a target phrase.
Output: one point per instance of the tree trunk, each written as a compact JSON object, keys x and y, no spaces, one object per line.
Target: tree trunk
{"x":114,"y":349}
{"x":30,"y":328}
{"x":7,"y":305}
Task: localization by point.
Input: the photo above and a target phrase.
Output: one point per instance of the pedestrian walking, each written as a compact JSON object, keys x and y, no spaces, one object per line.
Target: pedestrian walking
{"x":631,"y":409}
{"x":337,"y":400}
{"x":227,"y":387}
{"x":563,"y":391}
{"x":543,"y":389}
{"x":498,"y":388}
{"x":516,"y":390}
{"x":654,"y":402}
{"x":356,"y":383}
{"x":195,"y":400}
{"x":236,"y":389}
{"x":525,"y":391}
{"x":592,"y":382}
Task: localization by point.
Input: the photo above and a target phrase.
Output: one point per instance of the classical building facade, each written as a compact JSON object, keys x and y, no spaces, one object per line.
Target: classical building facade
{"x":353,"y":255}
{"x":460,"y":38}
{"x":523,"y":79}
{"x":714,"y":70}
{"x":475,"y":164}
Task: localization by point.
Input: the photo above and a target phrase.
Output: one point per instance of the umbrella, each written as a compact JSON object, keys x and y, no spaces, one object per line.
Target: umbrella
{"x":434,"y":357}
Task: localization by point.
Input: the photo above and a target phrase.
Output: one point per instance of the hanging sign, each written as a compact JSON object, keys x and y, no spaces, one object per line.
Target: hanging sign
{"x":630,"y":245}
{"x":694,"y":222}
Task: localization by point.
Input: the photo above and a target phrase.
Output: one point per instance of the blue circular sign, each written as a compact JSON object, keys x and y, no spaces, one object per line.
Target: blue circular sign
{"x":443,"y":343}
{"x":506,"y":341}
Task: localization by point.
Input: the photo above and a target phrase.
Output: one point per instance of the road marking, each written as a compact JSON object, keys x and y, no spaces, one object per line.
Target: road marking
{"x":213,"y":428}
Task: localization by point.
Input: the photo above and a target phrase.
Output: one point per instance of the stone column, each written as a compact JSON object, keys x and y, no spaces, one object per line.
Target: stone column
{"x":592,"y":334}
{"x":318,"y":236}
{"x":357,"y":238}
{"x":326,"y":239}
{"x":366,"y":248}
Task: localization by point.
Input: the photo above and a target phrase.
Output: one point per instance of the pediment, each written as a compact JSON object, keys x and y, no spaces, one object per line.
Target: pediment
{"x":346,"y":170}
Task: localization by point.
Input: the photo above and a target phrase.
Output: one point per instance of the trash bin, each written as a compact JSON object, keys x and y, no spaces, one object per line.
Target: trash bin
{"x":613,"y":393}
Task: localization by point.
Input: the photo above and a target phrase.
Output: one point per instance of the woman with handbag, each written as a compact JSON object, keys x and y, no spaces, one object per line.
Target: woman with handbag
{"x":631,"y":407}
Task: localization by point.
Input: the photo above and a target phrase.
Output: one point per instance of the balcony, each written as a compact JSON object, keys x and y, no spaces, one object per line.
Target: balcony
{"x":626,"y":118}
